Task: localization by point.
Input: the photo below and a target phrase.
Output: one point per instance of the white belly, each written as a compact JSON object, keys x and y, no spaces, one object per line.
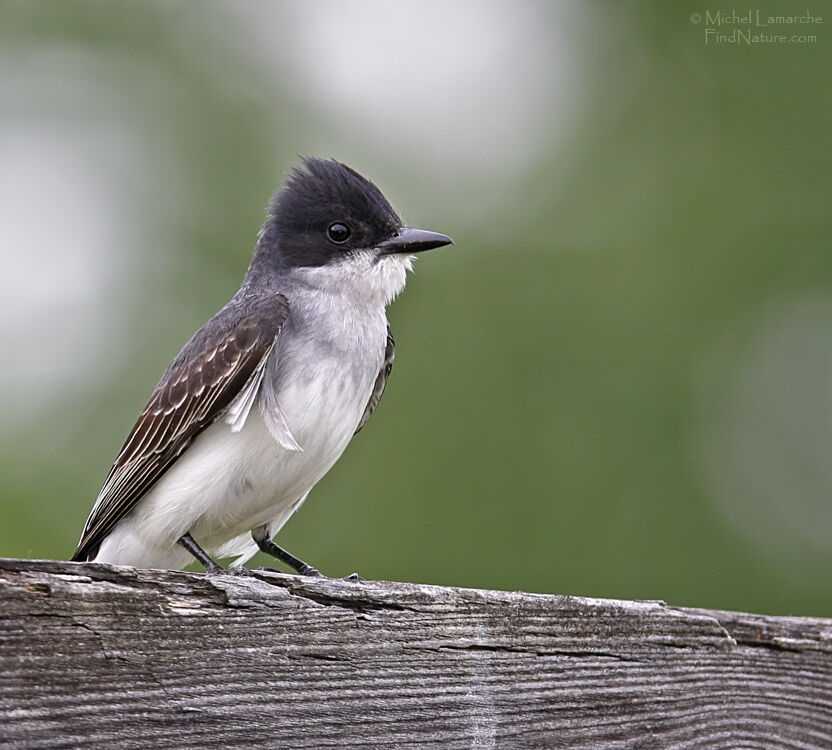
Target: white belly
{"x":321,"y":373}
{"x":227,"y":483}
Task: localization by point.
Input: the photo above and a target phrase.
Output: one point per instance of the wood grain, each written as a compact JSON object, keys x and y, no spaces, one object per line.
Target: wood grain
{"x":99,"y":656}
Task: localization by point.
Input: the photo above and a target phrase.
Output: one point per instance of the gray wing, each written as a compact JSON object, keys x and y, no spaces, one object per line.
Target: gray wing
{"x":200,"y":384}
{"x":381,"y":380}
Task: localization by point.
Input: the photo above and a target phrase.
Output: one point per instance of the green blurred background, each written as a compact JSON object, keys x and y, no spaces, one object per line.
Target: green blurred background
{"x":618,"y":382}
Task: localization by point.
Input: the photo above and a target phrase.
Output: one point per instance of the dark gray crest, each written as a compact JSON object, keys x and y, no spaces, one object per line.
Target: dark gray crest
{"x":317,"y":196}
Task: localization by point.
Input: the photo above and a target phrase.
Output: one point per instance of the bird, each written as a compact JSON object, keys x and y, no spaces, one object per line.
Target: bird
{"x":264,"y":398}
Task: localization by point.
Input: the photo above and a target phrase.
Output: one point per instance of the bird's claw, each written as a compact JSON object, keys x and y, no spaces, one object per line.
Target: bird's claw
{"x":240,"y":570}
{"x":308,"y":570}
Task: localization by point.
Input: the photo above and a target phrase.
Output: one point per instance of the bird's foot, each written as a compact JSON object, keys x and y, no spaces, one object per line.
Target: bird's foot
{"x":354,"y":578}
{"x":308,"y":570}
{"x":240,"y":570}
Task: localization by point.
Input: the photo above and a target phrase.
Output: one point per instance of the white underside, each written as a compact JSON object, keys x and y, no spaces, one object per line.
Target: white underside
{"x":238,"y":474}
{"x":226,"y":484}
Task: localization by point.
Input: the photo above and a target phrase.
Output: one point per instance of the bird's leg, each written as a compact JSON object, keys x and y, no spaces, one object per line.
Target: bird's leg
{"x":211,"y":567}
{"x":264,"y":542}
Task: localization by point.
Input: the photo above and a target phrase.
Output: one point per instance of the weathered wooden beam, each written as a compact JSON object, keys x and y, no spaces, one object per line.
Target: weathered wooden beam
{"x":98,"y":656}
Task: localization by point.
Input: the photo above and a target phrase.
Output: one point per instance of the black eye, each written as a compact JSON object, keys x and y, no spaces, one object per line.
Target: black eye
{"x":339,"y":232}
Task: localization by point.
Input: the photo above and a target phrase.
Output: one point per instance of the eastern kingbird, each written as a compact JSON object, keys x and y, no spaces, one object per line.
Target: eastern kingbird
{"x":265,"y":397}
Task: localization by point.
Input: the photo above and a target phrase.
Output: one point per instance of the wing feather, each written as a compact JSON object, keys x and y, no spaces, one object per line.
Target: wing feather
{"x":212,"y":369}
{"x":381,"y":380}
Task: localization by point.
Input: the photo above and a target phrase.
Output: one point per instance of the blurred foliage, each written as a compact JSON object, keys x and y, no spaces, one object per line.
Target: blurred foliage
{"x":560,"y":415}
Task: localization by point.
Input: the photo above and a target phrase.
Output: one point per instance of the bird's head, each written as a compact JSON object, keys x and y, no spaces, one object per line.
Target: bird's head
{"x":327,"y":216}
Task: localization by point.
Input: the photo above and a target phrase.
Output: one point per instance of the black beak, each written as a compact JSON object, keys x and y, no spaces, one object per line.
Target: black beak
{"x":410,"y":240}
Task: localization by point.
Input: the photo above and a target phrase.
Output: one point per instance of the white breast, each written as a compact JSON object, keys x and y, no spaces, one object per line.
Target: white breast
{"x":321,"y":373}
